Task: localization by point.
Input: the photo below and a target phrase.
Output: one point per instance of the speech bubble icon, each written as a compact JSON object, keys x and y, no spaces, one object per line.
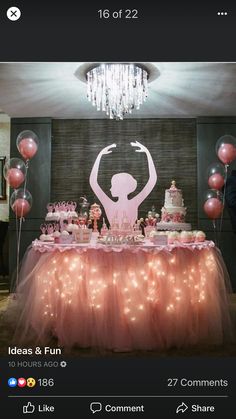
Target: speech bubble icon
{"x":95,"y":407}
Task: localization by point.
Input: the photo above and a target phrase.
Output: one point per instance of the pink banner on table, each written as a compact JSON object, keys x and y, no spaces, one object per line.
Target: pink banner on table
{"x":125,"y":298}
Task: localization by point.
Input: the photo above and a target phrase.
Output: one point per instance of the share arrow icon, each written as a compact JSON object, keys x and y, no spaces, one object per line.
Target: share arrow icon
{"x":181,"y":408}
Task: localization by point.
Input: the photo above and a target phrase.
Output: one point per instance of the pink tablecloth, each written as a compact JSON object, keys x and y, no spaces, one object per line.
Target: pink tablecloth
{"x":125,"y":297}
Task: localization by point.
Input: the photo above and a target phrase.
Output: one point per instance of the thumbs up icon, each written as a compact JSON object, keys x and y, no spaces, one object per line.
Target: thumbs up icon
{"x":29,"y":408}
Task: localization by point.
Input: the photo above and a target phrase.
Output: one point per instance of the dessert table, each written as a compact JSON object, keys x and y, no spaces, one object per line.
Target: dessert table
{"x":125,"y":297}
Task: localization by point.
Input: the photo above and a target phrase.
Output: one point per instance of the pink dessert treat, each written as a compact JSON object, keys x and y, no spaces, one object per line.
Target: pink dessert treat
{"x":73,"y":213}
{"x":49,"y":216}
{"x":65,"y":237}
{"x":95,"y":213}
{"x":56,"y":212}
{"x":185,"y":237}
{"x":173,"y":212}
{"x":173,"y":237}
{"x":70,"y":228}
{"x":50,"y":229}
{"x":83,"y":235}
{"x":194,"y":232}
{"x":49,"y":238}
{"x":61,"y":211}
{"x":159,"y":238}
{"x":149,"y":230}
{"x":104,"y":229}
{"x":56,"y":236}
{"x":200,"y":236}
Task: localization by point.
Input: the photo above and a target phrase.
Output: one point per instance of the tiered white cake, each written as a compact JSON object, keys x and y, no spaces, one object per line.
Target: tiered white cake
{"x":173,"y":213}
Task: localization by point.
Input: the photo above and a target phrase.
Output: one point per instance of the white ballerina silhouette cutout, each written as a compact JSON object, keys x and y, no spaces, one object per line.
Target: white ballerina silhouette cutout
{"x":122,"y":184}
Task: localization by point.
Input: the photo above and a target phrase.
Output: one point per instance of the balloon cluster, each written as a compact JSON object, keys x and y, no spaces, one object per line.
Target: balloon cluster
{"x":15,"y":173}
{"x":217,"y":176}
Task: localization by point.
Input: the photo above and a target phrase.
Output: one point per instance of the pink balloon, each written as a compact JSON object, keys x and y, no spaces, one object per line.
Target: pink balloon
{"x":227,"y":153}
{"x":15,"y":177}
{"x":213,"y":208}
{"x":216,"y":181}
{"x":21,"y":207}
{"x":28,"y":148}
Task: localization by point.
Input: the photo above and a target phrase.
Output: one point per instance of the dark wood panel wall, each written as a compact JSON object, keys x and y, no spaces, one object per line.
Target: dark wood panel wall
{"x":171,"y":142}
{"x":39,"y":183}
{"x":209,"y":130}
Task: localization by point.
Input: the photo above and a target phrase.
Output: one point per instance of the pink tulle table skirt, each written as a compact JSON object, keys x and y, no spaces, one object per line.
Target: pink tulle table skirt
{"x":125,"y":298}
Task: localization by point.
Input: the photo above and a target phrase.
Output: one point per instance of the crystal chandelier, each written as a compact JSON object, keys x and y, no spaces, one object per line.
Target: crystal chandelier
{"x":117,"y":88}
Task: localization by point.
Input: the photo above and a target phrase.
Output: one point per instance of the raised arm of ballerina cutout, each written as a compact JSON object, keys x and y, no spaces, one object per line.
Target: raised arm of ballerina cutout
{"x":122,"y":184}
{"x":152,"y":173}
{"x":93,"y":179}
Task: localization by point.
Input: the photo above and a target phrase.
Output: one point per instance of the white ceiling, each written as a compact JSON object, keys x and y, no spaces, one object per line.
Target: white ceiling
{"x":181,"y":90}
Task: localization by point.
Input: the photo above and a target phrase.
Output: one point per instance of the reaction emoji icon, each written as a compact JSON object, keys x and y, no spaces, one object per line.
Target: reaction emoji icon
{"x":21,"y":382}
{"x":12,"y":382}
{"x":31,"y":382}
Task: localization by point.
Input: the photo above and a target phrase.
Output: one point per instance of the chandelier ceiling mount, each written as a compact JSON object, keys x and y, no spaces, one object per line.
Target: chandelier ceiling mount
{"x":117,"y":88}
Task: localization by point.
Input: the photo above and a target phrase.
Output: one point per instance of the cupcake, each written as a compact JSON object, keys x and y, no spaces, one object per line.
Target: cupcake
{"x":191,"y":236}
{"x":64,"y":215}
{"x":56,"y":236}
{"x":173,"y":236}
{"x":49,"y":238}
{"x":194,"y":233}
{"x":65,"y":237}
{"x":70,"y":228}
{"x":56,"y":216}
{"x":73,"y":214}
{"x":200,"y":236}
{"x":49,"y":216}
{"x":185,"y":237}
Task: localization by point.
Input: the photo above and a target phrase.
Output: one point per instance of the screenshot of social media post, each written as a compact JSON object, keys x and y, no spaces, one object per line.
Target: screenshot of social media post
{"x":117,"y":220}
